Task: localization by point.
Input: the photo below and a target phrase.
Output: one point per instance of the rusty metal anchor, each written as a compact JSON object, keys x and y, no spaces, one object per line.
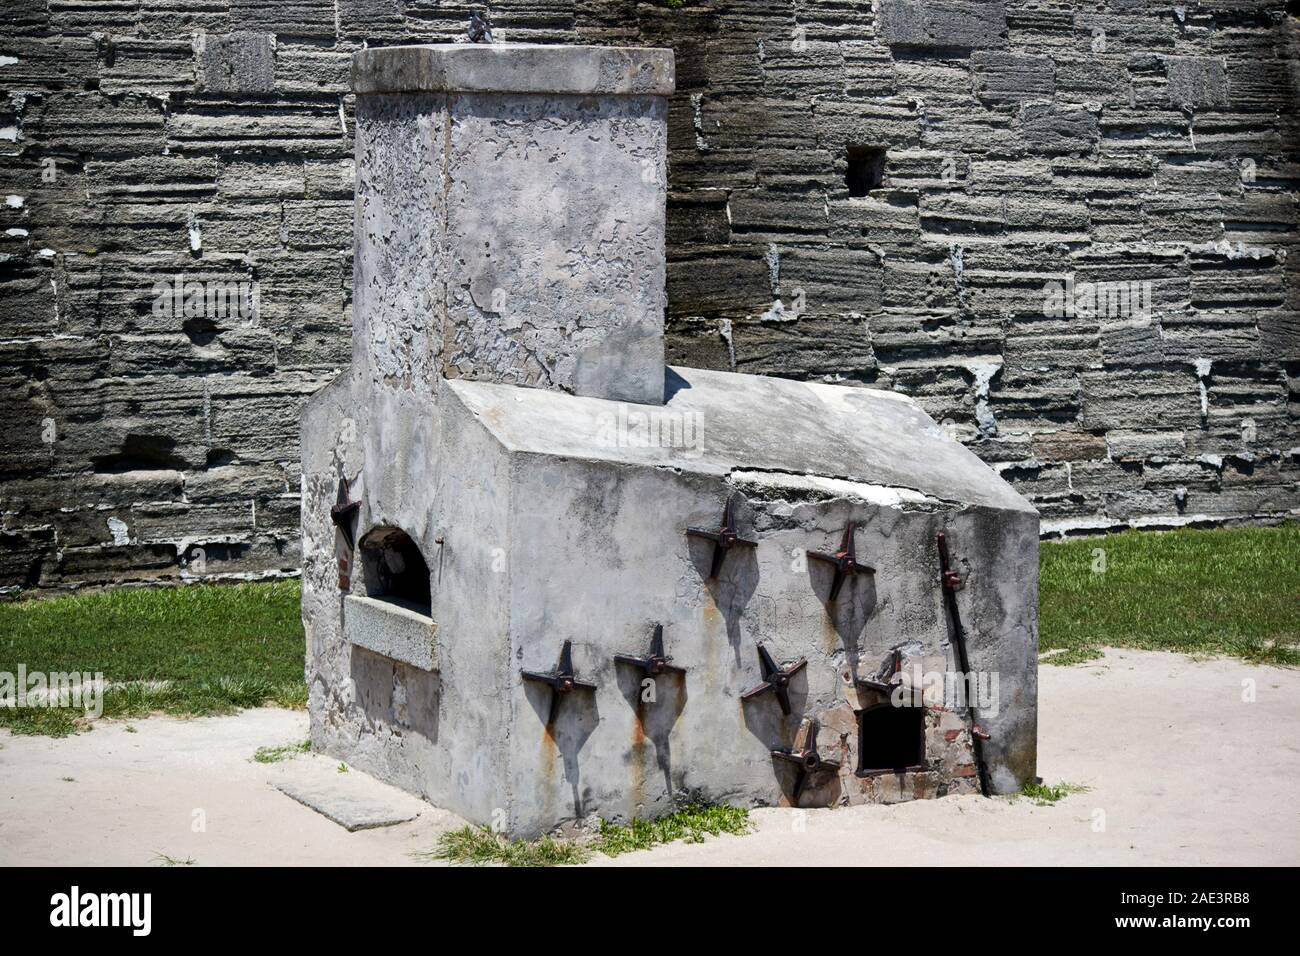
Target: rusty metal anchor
{"x":845,"y":561}
{"x":807,"y":760}
{"x":950,"y":579}
{"x":480,"y":27}
{"x":561,"y":680}
{"x":342,"y":514}
{"x":343,"y":511}
{"x":775,"y":679}
{"x":654,"y":663}
{"x":724,"y":538}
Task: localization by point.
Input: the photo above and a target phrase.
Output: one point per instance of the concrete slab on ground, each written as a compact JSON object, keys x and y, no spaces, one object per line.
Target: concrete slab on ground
{"x":352,"y":799}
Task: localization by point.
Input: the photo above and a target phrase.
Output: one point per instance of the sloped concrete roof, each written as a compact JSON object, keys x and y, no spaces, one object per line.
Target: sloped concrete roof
{"x":740,"y":426}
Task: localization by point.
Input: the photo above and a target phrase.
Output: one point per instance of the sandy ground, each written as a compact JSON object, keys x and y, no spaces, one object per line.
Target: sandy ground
{"x":1181,"y":771}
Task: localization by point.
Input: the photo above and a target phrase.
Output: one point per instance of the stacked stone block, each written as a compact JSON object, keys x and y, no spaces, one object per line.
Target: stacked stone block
{"x":1090,"y":145}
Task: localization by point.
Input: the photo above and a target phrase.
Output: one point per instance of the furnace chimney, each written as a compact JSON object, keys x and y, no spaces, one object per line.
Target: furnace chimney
{"x":510,"y":217}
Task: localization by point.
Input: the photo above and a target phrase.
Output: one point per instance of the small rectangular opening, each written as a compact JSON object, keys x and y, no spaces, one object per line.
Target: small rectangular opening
{"x":891,"y":739}
{"x":866,"y":169}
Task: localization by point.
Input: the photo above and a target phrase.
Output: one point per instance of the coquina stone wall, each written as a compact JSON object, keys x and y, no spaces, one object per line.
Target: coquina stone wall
{"x":1068,"y":228}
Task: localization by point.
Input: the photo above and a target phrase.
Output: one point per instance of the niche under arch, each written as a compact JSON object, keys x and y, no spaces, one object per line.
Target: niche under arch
{"x":391,"y":613}
{"x":393,"y":569}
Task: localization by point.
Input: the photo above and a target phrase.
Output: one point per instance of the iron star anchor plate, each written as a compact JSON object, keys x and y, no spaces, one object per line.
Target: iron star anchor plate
{"x":343,"y":511}
{"x":807,"y":760}
{"x":655,"y":662}
{"x":724,"y":538}
{"x":561,"y":680}
{"x":775,"y":679}
{"x":480,"y":27}
{"x":845,"y":561}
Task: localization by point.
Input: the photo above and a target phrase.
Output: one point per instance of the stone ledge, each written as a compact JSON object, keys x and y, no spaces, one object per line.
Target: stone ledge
{"x":394,"y":629}
{"x":514,"y":68}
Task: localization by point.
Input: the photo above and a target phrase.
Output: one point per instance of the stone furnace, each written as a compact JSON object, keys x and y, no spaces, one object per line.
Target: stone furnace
{"x":547,"y":577}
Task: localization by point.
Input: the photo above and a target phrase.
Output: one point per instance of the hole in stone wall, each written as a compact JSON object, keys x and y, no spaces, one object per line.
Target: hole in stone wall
{"x":394,"y":569}
{"x":866,"y":170}
{"x":200,"y":331}
{"x":141,"y":453}
{"x":891,"y":738}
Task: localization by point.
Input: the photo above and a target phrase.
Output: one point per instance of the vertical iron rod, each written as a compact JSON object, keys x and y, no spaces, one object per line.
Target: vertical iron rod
{"x":950,"y":581}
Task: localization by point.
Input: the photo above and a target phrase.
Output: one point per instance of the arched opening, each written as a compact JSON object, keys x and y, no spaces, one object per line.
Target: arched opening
{"x":393,"y":569}
{"x":891,"y":738}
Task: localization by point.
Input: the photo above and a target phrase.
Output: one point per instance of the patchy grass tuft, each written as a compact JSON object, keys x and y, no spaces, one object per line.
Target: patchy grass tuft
{"x":188,"y":651}
{"x":162,"y":859}
{"x":479,"y":846}
{"x":692,"y":824}
{"x":1233,"y":591}
{"x":1045,"y":796}
{"x":278,"y":754}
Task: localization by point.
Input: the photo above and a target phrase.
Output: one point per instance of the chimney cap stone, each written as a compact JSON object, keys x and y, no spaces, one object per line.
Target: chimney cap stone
{"x":514,"y":68}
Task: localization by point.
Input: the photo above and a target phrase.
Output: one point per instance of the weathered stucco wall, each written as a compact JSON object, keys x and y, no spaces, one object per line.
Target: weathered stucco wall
{"x":1150,"y":147}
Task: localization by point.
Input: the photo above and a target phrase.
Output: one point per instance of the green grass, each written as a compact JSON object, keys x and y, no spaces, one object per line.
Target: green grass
{"x":211,"y":649}
{"x":278,"y":754}
{"x":1221,"y":591}
{"x":692,"y":824}
{"x":205,"y":649}
{"x":1045,"y":796}
{"x":162,"y":859}
{"x":479,"y":846}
